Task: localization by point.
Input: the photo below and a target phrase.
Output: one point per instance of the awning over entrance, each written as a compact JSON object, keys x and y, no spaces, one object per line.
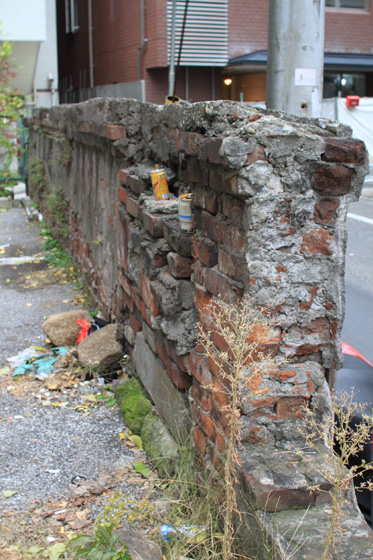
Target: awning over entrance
{"x":332,"y":61}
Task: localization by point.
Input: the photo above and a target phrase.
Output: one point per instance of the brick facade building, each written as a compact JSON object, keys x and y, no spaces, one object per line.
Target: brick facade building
{"x":125,"y":44}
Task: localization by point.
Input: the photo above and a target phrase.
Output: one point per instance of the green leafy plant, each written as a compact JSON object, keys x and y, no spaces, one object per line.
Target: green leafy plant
{"x":57,"y":208}
{"x":37,"y":179}
{"x":103,"y":545}
{"x":11,"y":103}
{"x":337,"y":443}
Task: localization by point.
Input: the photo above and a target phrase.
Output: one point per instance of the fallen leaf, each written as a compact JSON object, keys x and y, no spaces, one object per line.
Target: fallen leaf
{"x":9,"y":493}
{"x":56,"y":550}
{"x":29,"y":304}
{"x":110,"y":402}
{"x":4,"y":370}
{"x":136,"y":440}
{"x":122,"y":436}
{"x":91,"y":398}
{"x":141,"y":468}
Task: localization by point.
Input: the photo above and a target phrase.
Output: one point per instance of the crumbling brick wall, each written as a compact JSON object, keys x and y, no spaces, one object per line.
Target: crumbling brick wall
{"x":270,"y":195}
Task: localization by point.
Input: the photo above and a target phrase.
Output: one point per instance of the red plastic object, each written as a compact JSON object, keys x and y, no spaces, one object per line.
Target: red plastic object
{"x":352,"y":100}
{"x":84,"y":328}
{"x":347,"y":349}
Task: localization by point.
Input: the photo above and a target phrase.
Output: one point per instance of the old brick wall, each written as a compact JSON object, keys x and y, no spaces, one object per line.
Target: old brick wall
{"x":270,"y":199}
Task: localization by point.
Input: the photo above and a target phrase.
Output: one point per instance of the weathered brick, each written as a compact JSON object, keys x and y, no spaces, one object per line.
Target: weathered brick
{"x":180,"y":267}
{"x":180,"y":379}
{"x":219,"y":285}
{"x":116,"y":132}
{"x":181,"y":361}
{"x":234,"y":208}
{"x":200,"y":395}
{"x":133,"y":207}
{"x":342,"y":150}
{"x":292,"y":407}
{"x":204,"y":422}
{"x":231,"y":265}
{"x":153,"y":223}
{"x":210,"y":150}
{"x":205,"y":250}
{"x":257,"y":155}
{"x":194,"y":171}
{"x":135,"y":324}
{"x":138,"y":186}
{"x":180,"y":241}
{"x":148,"y":294}
{"x":236,"y":237}
{"x":199,"y":370}
{"x":317,"y":242}
{"x":200,"y":440}
{"x":206,"y":199}
{"x":123,"y":174}
{"x":211,"y":226}
{"x":199,"y":273}
{"x":202,"y":300}
{"x":326,"y":210}
{"x":122,"y":194}
{"x":332,"y":180}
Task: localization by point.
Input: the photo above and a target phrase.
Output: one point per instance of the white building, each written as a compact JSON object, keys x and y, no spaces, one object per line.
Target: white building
{"x":31,"y":28}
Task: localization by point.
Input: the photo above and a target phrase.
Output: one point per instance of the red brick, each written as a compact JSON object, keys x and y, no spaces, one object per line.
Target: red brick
{"x":148,"y":294}
{"x":180,"y":267}
{"x":231,"y":266}
{"x":219,"y":285}
{"x":179,"y":378}
{"x":220,"y":394}
{"x":123,"y":174}
{"x":204,"y":422}
{"x":116,"y":132}
{"x":220,"y":417}
{"x":180,"y":241}
{"x":198,"y":368}
{"x":199,"y":273}
{"x":200,"y":440}
{"x":291,"y":407}
{"x":133,"y":206}
{"x":220,"y":369}
{"x":202,"y":300}
{"x":181,"y":361}
{"x":342,"y":150}
{"x":153,"y":223}
{"x":257,"y":155}
{"x":205,"y":250}
{"x":234,"y":209}
{"x":237,"y":238}
{"x":211,"y":227}
{"x":194,"y":172}
{"x":122,"y":194}
{"x":135,"y":324}
{"x":332,"y":180}
{"x":317,"y":242}
{"x":206,"y":199}
{"x":138,"y":186}
{"x":326,"y":210}
{"x":221,"y":441}
{"x":201,"y":395}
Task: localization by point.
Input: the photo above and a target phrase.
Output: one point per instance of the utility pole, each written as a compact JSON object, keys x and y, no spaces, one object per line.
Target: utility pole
{"x":296,"y":56}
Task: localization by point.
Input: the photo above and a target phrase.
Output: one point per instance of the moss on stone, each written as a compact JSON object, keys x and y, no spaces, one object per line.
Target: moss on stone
{"x":133,"y":404}
{"x":159,"y":445}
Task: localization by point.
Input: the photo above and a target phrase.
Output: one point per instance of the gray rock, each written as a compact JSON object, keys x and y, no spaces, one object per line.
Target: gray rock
{"x":62,"y":328}
{"x":140,"y":547}
{"x":100,"y":349}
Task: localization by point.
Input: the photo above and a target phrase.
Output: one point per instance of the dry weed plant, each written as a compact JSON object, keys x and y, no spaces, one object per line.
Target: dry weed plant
{"x":243,"y":331}
{"x":338,"y":443}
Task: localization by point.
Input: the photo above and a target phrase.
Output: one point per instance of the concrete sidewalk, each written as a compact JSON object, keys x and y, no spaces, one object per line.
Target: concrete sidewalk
{"x":28,"y":293}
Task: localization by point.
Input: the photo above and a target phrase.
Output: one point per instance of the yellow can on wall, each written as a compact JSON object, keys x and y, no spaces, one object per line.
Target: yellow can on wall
{"x":159,"y":183}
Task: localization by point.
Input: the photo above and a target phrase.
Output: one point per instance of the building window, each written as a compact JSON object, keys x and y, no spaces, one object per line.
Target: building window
{"x":71,"y":16}
{"x":350,"y":4}
{"x":340,"y":85}
{"x":206,"y":32}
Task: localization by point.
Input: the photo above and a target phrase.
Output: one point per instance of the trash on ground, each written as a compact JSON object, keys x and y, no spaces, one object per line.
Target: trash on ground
{"x":186,"y":530}
{"x":40,"y":366}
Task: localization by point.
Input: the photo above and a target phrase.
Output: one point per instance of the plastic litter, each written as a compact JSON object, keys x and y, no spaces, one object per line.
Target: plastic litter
{"x":87,"y":328}
{"x":186,"y":530}
{"x":40,"y":366}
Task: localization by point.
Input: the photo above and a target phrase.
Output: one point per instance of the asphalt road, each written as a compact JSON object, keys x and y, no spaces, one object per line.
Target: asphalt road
{"x":358,"y":325}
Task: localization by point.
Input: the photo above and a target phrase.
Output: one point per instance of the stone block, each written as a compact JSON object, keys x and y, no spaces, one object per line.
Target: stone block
{"x":159,"y":445}
{"x":62,"y":328}
{"x":100,"y":349}
{"x":171,"y":404}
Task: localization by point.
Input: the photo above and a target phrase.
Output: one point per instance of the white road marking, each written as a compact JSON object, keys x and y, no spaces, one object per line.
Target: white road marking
{"x":360,"y":218}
